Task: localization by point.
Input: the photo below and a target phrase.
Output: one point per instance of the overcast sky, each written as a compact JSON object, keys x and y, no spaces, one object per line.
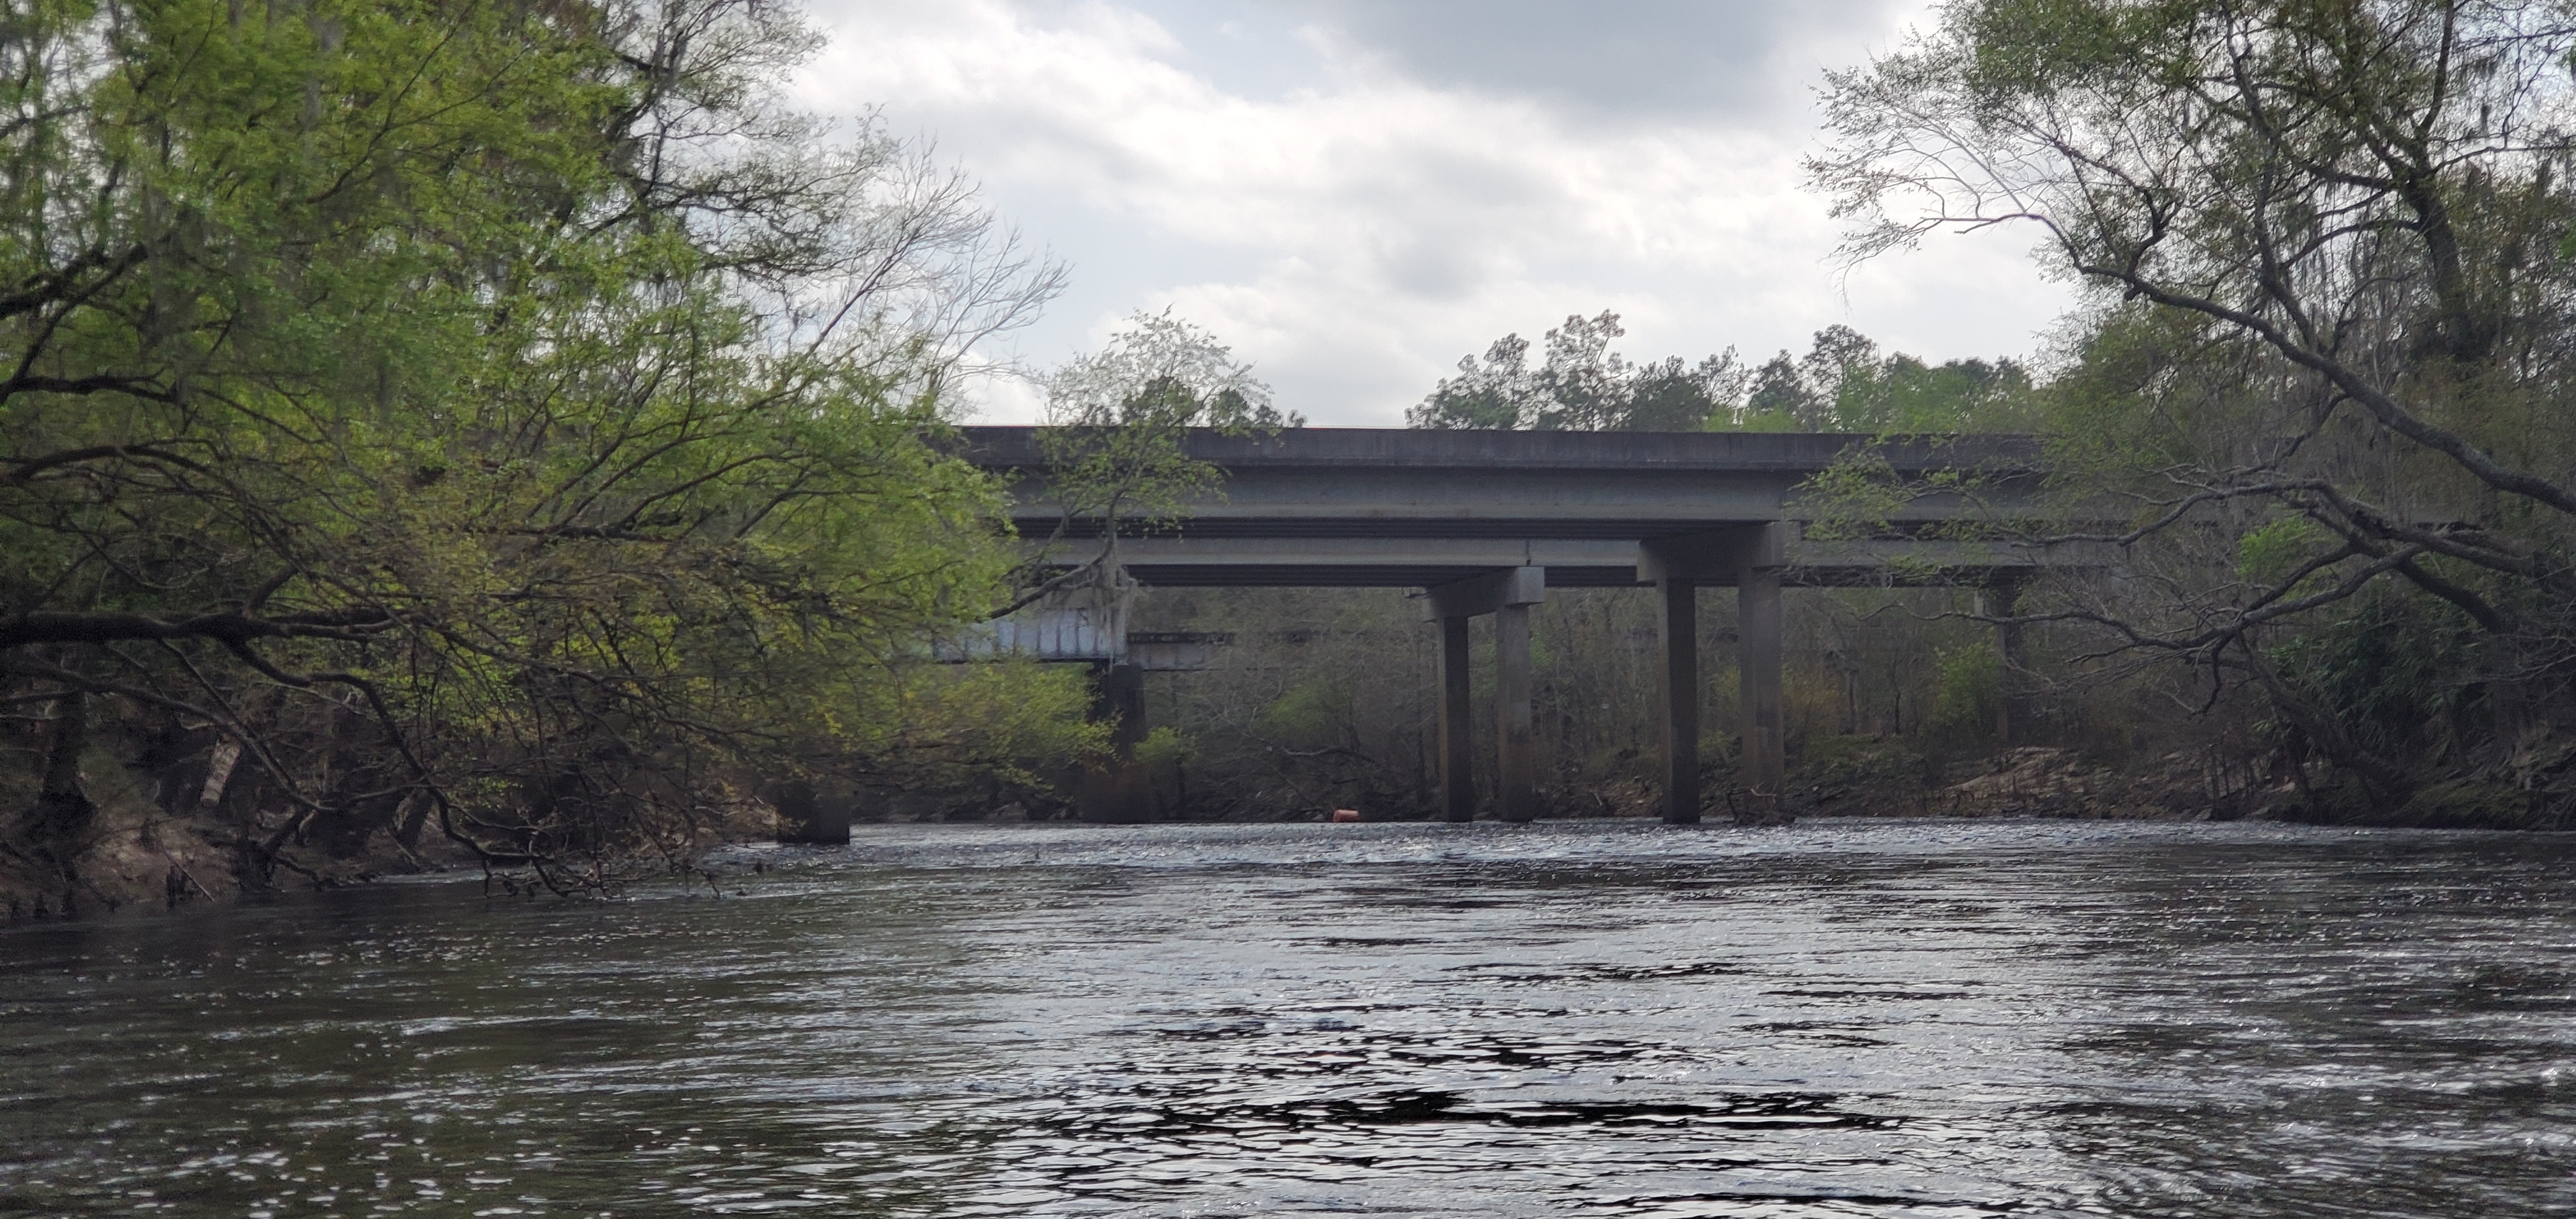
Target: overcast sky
{"x":1355,"y":194}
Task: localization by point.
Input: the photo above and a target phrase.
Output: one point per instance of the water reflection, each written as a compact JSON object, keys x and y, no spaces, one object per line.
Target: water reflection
{"x":1586,"y":1019}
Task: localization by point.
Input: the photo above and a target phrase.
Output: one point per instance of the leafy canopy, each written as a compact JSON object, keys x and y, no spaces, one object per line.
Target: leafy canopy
{"x":512,"y":409}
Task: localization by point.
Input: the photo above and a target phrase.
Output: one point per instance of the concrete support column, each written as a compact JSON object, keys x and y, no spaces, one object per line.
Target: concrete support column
{"x":1679,"y":599}
{"x":1751,"y":555}
{"x":1457,"y":724}
{"x":2002,"y":599}
{"x":804,"y":816}
{"x":1121,"y":789}
{"x":1758,"y":660}
{"x":1507,"y":594}
{"x":1517,"y":790}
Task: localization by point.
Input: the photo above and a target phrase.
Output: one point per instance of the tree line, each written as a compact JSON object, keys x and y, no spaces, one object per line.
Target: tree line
{"x":1844,"y":383}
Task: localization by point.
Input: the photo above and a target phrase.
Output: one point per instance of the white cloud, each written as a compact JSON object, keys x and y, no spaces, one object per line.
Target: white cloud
{"x":1354,"y":222}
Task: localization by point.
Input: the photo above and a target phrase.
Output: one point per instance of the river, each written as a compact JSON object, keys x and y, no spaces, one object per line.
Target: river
{"x":1607,"y":1019}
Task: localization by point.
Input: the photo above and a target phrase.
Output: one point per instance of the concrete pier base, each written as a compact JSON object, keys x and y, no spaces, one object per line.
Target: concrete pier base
{"x":807,"y":819}
{"x":1516,"y":790}
{"x":1457,"y":723}
{"x":1120,"y":790}
{"x":1758,"y":630}
{"x":2002,"y":599}
{"x":1678,"y":599}
{"x":1751,"y":557}
{"x":1507,"y":595}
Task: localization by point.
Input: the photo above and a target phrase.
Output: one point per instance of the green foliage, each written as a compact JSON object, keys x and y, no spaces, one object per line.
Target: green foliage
{"x":2147,"y":390}
{"x":507,"y":407}
{"x":2268,"y":553}
{"x":2034,"y":47}
{"x":2396,"y":671}
{"x":1317,"y":710}
{"x":1905,"y":395}
{"x":1118,"y":453}
{"x":1843,"y":384}
{"x":2321,"y":364}
{"x":935,"y":726}
{"x":1971,"y":688}
{"x":1166,"y":746}
{"x":1581,"y":385}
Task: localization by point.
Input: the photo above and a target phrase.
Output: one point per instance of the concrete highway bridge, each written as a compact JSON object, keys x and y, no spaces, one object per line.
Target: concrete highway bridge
{"x":1485,"y":522}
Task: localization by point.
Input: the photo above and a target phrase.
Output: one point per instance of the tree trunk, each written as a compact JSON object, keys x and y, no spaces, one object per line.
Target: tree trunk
{"x":2388,"y":783}
{"x":63,"y":810}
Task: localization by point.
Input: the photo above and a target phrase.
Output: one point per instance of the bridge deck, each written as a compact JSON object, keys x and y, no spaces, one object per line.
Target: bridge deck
{"x":1322,"y":483}
{"x":1193,"y":560}
{"x":1415,"y":509}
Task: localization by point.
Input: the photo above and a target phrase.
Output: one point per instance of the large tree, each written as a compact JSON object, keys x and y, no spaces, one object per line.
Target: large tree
{"x":1117,"y":449}
{"x":2330,"y":245}
{"x":493,"y":416}
{"x":1581,"y":385}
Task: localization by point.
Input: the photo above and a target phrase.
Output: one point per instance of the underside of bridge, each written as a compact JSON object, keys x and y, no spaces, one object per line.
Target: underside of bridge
{"x":1487,"y":522}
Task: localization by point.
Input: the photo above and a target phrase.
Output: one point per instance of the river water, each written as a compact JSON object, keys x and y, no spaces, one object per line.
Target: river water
{"x":1601,"y":1019}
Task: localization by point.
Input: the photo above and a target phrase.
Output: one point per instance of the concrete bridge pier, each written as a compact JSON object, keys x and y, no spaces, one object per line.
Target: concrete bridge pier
{"x":1678,"y":599}
{"x":1515,"y":729}
{"x":810,"y":817}
{"x":1457,"y":723}
{"x":1751,"y":558}
{"x":2001,"y":598}
{"x":1120,"y":789}
{"x":1507,"y":595}
{"x":1757,"y":660}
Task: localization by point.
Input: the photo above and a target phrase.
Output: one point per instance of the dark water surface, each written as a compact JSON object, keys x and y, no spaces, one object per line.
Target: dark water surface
{"x":1588,"y":1019}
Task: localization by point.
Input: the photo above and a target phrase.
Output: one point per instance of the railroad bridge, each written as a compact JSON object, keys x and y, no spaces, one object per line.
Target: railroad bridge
{"x":1485,"y":522}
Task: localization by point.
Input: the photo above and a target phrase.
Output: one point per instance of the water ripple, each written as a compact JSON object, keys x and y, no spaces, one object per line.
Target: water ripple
{"x":1600,"y":1019}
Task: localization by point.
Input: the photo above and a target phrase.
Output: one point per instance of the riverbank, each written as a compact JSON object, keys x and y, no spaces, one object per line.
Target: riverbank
{"x":1881,"y":777}
{"x":143,"y":855}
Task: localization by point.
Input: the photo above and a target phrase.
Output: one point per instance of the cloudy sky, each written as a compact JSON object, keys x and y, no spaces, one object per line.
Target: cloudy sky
{"x":1355,"y":193}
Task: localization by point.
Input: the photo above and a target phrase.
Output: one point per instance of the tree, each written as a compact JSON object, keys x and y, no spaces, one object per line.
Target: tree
{"x":2344,"y":226}
{"x":1580,"y":385}
{"x":1117,"y":455}
{"x":503,"y":418}
{"x":1783,"y":399}
{"x":1845,"y":384}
